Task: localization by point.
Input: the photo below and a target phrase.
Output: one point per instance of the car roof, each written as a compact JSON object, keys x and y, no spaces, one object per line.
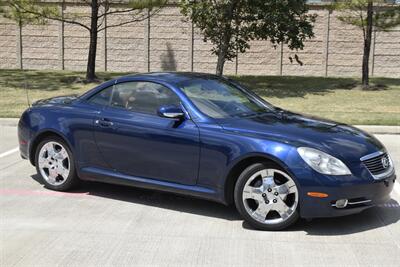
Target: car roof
{"x":172,"y":78}
{"x":168,"y":77}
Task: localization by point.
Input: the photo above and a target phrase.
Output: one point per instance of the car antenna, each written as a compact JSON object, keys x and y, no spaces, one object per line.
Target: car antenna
{"x":27,"y":93}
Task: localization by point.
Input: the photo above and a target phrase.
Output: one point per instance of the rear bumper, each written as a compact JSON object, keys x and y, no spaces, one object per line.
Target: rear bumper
{"x":360,"y":196}
{"x":24,"y":136}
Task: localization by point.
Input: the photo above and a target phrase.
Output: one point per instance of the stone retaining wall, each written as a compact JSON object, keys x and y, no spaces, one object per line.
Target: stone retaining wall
{"x":167,"y":41}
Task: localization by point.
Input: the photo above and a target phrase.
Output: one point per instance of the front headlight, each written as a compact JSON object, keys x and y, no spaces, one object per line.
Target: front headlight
{"x":322,"y":162}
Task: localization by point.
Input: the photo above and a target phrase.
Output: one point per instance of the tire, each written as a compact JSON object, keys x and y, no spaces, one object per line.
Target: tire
{"x":267,"y":197}
{"x":55,"y":164}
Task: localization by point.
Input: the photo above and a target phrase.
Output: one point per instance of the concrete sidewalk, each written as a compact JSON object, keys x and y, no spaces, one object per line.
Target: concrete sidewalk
{"x":8,"y":121}
{"x":373,"y":129}
{"x":379,"y":129}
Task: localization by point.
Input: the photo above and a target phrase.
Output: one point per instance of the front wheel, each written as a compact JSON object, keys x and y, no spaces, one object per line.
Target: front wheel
{"x":54,"y":162}
{"x":267,"y":197}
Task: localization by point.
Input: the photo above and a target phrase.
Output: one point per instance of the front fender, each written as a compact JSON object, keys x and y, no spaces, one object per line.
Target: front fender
{"x":222,"y":151}
{"x":276,"y":158}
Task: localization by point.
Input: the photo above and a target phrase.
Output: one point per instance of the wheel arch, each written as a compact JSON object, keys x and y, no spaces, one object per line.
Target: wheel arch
{"x":39,"y":137}
{"x":240,"y":165}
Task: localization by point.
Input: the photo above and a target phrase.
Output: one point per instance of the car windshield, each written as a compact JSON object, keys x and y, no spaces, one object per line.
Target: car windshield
{"x":219,"y":98}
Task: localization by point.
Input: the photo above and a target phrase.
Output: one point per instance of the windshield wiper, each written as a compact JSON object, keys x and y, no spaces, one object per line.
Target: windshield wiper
{"x":251,"y":114}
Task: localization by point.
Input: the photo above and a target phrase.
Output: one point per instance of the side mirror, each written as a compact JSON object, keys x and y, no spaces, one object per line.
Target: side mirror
{"x":172,"y":112}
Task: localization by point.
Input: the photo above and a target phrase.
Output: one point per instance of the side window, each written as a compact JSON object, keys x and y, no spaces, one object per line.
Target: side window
{"x":103,"y":97}
{"x":144,"y":97}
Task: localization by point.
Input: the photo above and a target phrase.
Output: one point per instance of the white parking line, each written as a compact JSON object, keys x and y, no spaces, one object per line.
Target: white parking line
{"x":9,"y":152}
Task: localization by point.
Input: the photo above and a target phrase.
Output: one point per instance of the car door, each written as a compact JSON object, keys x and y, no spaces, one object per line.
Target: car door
{"x":134,"y":140}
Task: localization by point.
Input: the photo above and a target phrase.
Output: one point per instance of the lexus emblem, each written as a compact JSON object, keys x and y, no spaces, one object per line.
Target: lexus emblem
{"x":385,"y":163}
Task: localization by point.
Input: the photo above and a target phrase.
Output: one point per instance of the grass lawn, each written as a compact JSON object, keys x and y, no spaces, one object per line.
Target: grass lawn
{"x":331,"y":98}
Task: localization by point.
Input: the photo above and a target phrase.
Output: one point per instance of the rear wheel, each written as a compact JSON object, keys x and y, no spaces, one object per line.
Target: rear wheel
{"x":267,"y":197}
{"x":54,"y":162}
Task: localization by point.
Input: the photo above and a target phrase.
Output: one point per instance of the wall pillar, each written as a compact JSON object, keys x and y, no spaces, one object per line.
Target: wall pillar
{"x":191,"y":45}
{"x":280,"y":59}
{"x":372,"y":56}
{"x":19,"y":46}
{"x":326,"y":42}
{"x":105,"y":43}
{"x":61,"y":44}
{"x":147,"y":41}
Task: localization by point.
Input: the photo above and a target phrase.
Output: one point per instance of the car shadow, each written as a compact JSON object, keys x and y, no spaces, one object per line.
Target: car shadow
{"x":155,"y":198}
{"x":373,"y":218}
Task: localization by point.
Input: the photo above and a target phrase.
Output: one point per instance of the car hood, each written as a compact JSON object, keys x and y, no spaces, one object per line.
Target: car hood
{"x":63,"y":100}
{"x":340,"y":140}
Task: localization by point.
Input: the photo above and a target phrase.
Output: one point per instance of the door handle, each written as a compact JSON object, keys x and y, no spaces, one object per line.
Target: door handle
{"x":104,"y":123}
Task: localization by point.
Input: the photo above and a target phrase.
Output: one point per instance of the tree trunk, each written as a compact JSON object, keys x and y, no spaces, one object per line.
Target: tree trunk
{"x":91,"y":64}
{"x":221,"y":62}
{"x":223,"y":50}
{"x":226,"y":38}
{"x":367,"y":46}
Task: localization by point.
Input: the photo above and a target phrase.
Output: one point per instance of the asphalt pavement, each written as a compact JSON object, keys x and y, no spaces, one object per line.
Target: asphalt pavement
{"x":102,"y":225}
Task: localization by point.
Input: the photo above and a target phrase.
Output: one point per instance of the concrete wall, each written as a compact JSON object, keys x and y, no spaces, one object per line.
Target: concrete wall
{"x":167,"y":41}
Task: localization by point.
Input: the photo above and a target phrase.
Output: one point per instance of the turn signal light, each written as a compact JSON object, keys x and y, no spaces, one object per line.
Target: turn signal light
{"x":317,"y":194}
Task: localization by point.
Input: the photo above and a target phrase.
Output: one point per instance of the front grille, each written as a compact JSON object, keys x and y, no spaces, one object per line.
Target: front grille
{"x":376,"y":164}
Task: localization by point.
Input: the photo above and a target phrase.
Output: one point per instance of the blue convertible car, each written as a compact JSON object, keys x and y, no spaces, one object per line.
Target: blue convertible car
{"x":208,"y":137}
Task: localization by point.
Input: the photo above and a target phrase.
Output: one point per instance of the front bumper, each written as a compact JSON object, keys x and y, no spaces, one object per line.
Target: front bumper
{"x":360,"y":197}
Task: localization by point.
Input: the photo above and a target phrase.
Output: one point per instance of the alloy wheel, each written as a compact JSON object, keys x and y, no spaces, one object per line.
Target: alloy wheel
{"x":270,"y":196}
{"x":54,"y":163}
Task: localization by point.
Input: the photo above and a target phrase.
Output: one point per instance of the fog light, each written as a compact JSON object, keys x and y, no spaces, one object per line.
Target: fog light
{"x":341,"y":203}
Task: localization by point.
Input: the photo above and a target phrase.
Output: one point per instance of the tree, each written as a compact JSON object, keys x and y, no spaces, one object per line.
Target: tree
{"x":34,"y":11}
{"x":230,"y":24}
{"x":368,"y":15}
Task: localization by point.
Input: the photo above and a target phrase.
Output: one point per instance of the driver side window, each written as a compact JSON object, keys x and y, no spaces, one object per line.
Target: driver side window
{"x":143,"y":97}
{"x":103,"y":97}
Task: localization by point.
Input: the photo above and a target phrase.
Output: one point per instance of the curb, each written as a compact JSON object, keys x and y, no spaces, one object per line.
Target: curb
{"x":8,"y":122}
{"x":378,"y":129}
{"x":373,"y":129}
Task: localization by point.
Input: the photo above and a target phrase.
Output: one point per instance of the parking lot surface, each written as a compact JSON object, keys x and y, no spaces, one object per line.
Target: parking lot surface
{"x":101,"y":225}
